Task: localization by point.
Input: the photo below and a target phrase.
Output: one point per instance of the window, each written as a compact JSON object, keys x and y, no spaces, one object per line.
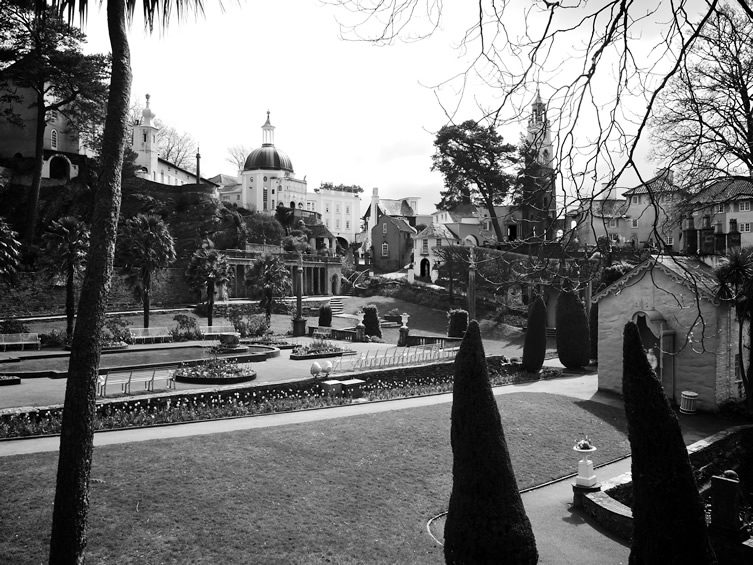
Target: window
{"x":745,"y":227}
{"x":54,"y":139}
{"x":384,"y":227}
{"x":487,"y":225}
{"x":347,"y":224}
{"x":385,"y":250}
{"x":634,"y":223}
{"x":613,"y":223}
{"x":273,"y":204}
{"x":337,"y":224}
{"x":425,"y":247}
{"x":144,"y":137}
{"x":337,"y":208}
{"x":347,"y":210}
{"x":670,"y":240}
{"x":745,"y":206}
{"x":720,"y":208}
{"x":635,"y":200}
{"x":439,"y":243}
{"x":53,"y":115}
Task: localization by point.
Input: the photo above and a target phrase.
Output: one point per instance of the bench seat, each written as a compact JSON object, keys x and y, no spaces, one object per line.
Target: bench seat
{"x":214,"y":332}
{"x":152,"y":335}
{"x":22,"y":339}
{"x":126,"y":378}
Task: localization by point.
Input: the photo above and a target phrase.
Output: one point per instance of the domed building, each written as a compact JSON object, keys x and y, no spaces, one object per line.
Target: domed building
{"x":268,"y":177}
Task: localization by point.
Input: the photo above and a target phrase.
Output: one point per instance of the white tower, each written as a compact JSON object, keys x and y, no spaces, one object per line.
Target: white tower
{"x":539,"y":133}
{"x":145,"y":142}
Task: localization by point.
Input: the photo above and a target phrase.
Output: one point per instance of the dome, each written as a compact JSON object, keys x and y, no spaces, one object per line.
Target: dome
{"x":268,"y":157}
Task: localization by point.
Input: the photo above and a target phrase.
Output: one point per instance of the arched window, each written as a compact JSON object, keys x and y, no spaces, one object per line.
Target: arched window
{"x":54,"y":139}
{"x":385,"y":250}
{"x":292,"y":204}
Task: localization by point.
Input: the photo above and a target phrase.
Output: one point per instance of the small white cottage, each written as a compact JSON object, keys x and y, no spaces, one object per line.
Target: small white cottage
{"x":690,"y":338}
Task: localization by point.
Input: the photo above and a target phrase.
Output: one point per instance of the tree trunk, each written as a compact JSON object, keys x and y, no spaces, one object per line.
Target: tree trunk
{"x":451,"y":274}
{"x":147,"y":290}
{"x":495,"y":221}
{"x":70,"y":514}
{"x":210,"y":302}
{"x":36,"y":179}
{"x":70,"y":301}
{"x":743,"y":375}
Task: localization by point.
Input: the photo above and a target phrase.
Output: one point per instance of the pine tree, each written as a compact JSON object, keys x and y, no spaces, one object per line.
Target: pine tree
{"x":534,"y":347}
{"x":458,"y":323}
{"x":486,"y":521}
{"x":573,"y":341}
{"x":669,"y":525}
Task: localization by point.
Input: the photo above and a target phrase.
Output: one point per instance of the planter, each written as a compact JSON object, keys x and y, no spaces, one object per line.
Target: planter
{"x":396,"y":318}
{"x":304,"y":356}
{"x":217,"y":380}
{"x":7,"y":380}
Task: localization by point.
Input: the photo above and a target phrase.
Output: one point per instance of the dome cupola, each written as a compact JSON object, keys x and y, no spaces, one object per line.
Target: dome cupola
{"x":267,"y":156}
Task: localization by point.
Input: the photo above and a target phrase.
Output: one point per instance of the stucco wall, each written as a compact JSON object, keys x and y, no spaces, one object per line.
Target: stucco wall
{"x":703,"y":356}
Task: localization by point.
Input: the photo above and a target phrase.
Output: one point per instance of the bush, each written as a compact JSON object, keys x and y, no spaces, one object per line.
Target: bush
{"x":573,"y":342}
{"x":325,"y":315}
{"x":458,"y":323}
{"x":248,"y":325}
{"x":187,"y":328}
{"x":593,"y":328}
{"x":13,"y":327}
{"x":371,"y":321}
{"x":534,"y":347}
{"x":56,"y":338}
{"x":115,"y":331}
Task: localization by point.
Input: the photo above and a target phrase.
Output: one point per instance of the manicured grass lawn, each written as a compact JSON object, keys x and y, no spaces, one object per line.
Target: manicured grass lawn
{"x":355,"y":490}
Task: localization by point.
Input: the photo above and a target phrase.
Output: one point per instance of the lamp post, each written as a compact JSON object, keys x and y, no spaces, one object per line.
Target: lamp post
{"x":299,"y":322}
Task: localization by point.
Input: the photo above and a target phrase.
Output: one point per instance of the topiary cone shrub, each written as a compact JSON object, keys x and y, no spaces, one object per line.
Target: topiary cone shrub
{"x":534,"y":347}
{"x":371,"y":321}
{"x":573,"y":342}
{"x":486,"y":521}
{"x":325,"y":315}
{"x":668,"y":516}
{"x":458,"y":323}
{"x":593,"y":328}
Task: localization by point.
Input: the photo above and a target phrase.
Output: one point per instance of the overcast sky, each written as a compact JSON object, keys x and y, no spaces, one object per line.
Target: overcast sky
{"x":345,"y":111}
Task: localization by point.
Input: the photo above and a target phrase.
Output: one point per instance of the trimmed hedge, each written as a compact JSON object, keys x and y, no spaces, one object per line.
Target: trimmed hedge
{"x":325,"y":315}
{"x":534,"y":347}
{"x":458,"y":323}
{"x":371,"y":321}
{"x":573,"y":340}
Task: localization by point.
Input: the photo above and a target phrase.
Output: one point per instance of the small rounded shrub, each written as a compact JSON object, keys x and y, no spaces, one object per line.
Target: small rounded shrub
{"x":458,"y":323}
{"x":13,"y":327}
{"x":534,"y":347}
{"x":573,"y":339}
{"x":371,"y":321}
{"x":325,"y":315}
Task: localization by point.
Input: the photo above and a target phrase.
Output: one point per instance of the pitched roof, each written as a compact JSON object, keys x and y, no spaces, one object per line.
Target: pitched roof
{"x":691,"y":273}
{"x":661,"y":183}
{"x":174,"y":166}
{"x":402,"y":225}
{"x":319,"y":230}
{"x":725,"y":189}
{"x":436,"y":231}
{"x":226,"y":181}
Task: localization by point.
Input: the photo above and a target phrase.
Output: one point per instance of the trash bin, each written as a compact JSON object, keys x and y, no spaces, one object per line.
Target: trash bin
{"x":687,"y":403}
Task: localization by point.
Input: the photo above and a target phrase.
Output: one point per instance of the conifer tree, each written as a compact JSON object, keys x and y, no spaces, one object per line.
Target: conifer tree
{"x":573,"y":340}
{"x":458,"y":323}
{"x":669,"y":525}
{"x":534,"y":347}
{"x":371,"y":321}
{"x":325,"y":315}
{"x":486,"y":521}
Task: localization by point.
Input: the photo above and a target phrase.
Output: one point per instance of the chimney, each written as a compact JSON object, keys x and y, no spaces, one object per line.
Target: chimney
{"x":198,"y":166}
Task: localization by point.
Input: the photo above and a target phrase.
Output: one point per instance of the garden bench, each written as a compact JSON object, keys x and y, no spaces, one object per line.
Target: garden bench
{"x":126,"y":378}
{"x":141,"y":335}
{"x":214,"y":332}
{"x":20,"y":339}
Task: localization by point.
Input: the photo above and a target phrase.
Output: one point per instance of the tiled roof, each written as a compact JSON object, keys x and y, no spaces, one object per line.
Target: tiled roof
{"x":436,"y":231}
{"x":725,"y":189}
{"x":225,"y":180}
{"x":319,"y":230}
{"x":687,"y":271}
{"x":661,"y":183}
{"x":402,"y":225}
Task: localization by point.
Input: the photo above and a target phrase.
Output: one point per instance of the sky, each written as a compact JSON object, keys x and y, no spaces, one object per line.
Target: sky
{"x":345,"y":111}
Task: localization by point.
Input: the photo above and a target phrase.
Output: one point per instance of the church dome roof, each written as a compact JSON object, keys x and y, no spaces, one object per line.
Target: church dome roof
{"x":268,"y":157}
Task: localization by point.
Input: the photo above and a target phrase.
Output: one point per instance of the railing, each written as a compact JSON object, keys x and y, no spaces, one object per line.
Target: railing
{"x":414,"y":340}
{"x":393,"y":357}
{"x":288,"y":258}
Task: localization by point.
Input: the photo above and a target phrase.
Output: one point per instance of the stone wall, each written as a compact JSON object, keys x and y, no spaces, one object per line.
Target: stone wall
{"x":34,"y":294}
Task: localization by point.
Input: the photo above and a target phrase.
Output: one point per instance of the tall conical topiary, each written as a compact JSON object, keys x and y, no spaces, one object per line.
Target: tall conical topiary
{"x":534,"y":347}
{"x":458,"y":323}
{"x":573,"y":340}
{"x":486,"y":521}
{"x":371,"y":321}
{"x":325,"y":315}
{"x":669,"y":526}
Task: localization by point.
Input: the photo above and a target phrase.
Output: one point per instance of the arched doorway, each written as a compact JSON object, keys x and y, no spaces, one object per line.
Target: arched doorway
{"x":425,"y":268}
{"x":60,"y":168}
{"x":335,"y":284}
{"x":292,"y":204}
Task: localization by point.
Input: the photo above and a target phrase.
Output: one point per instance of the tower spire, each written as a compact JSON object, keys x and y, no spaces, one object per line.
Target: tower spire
{"x":268,"y":132}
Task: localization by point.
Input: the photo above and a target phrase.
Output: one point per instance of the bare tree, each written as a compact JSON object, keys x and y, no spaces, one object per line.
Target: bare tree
{"x":177,"y":147}
{"x":704,"y":121}
{"x":236,"y":155}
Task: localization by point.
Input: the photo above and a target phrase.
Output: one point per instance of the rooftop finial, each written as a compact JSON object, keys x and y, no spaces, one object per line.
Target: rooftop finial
{"x":148,"y":96}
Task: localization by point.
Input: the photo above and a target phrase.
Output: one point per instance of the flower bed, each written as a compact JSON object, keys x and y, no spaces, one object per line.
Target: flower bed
{"x":319,"y":349}
{"x":6,"y":380}
{"x":215,"y":371}
{"x":179,"y":407}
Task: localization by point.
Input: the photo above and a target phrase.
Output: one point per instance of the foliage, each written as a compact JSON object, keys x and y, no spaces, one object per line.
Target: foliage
{"x":215,"y":368}
{"x":178,"y":147}
{"x":534,"y":347}
{"x":263,"y":228}
{"x":115,"y":331}
{"x":458,"y":322}
{"x":253,"y":325}
{"x":54,"y":338}
{"x":269,"y":280}
{"x":325,"y":315}
{"x":316,"y":347}
{"x":474,"y":160}
{"x":486,"y":521}
{"x":145,"y":247}
{"x":13,"y":327}
{"x":593,"y":328}
{"x":208,"y":270}
{"x":10,"y":250}
{"x":186,"y":328}
{"x":236,"y":155}
{"x":573,"y":336}
{"x":669,"y":525}
{"x":66,"y":243}
{"x":371,"y":321}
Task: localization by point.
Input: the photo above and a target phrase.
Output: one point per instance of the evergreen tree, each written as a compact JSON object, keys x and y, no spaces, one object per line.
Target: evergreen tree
{"x":371,"y":321}
{"x":458,"y":323}
{"x":593,"y":329}
{"x":534,"y":347}
{"x":269,"y":280}
{"x":573,"y":343}
{"x":325,"y":315}
{"x":208,"y":270}
{"x":486,"y":521}
{"x":669,"y":525}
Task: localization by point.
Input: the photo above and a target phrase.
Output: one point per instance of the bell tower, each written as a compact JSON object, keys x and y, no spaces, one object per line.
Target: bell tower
{"x":145,"y":142}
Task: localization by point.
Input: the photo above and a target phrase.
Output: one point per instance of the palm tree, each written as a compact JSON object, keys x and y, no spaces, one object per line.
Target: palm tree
{"x":146,"y":247}
{"x":268,"y":280}
{"x":66,"y":242}
{"x":71,"y":509}
{"x":208,"y":270}
{"x":10,"y":250}
{"x":735,"y":277}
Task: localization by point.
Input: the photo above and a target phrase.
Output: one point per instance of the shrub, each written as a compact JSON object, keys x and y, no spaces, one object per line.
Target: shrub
{"x":534,"y":347}
{"x":13,"y":327}
{"x":325,"y":315}
{"x":573,"y":343}
{"x":486,"y":521}
{"x":669,"y":525}
{"x":371,"y":321}
{"x":55,"y":338}
{"x":115,"y":331}
{"x":593,"y":328}
{"x":458,"y":323}
{"x":248,"y":325}
{"x":187,"y":328}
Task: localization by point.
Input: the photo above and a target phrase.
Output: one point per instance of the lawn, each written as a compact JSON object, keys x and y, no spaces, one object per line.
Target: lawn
{"x":354,"y":490}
